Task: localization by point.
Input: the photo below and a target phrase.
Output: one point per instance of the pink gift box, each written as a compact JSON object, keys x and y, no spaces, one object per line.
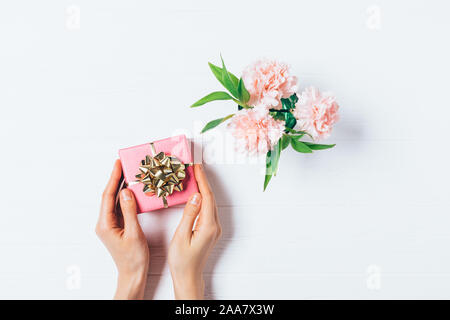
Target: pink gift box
{"x":131,"y":158}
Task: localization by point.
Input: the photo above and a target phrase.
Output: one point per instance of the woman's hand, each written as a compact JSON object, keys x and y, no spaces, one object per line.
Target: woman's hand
{"x":123,"y":237}
{"x":190,"y":247}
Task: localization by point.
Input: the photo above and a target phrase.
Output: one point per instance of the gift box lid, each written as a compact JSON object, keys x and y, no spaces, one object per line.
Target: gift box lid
{"x":131,"y":158}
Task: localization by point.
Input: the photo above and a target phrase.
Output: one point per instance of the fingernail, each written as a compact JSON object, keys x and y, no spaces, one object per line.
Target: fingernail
{"x":126,"y":195}
{"x":195,"y":199}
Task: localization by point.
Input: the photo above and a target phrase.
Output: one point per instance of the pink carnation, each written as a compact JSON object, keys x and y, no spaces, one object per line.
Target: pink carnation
{"x":255,"y":131}
{"x":316,"y":113}
{"x":268,"y":81}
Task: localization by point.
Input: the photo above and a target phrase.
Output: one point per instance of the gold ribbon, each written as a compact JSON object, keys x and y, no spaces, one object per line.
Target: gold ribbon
{"x":161,"y":174}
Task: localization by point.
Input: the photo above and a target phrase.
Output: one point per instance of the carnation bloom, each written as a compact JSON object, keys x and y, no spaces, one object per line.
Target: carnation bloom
{"x":255,"y":131}
{"x":316,"y":112}
{"x":268,"y":81}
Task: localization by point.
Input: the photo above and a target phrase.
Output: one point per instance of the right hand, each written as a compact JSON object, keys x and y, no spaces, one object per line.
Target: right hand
{"x":190,"y":247}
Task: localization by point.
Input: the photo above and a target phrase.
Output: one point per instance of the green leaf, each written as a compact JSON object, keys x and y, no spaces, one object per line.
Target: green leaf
{"x":269,"y":171}
{"x":267,"y":180}
{"x":315,"y":146}
{"x":244,"y":96}
{"x":217,"y":95}
{"x":293,"y":99}
{"x":218,"y":73}
{"x":272,"y":160}
{"x":215,"y":123}
{"x":286,"y":104}
{"x":298,"y":134}
{"x":285,"y":140}
{"x":290,"y":120}
{"x":276,"y":152}
{"x":277,"y":115}
{"x":290,"y":130}
{"x":300,"y":146}
{"x":228,"y":82}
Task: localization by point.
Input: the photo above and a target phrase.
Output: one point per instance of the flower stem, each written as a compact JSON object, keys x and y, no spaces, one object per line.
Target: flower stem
{"x":276,"y":110}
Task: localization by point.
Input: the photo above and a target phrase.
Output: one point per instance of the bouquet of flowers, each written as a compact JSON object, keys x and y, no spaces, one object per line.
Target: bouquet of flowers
{"x":272,"y":114}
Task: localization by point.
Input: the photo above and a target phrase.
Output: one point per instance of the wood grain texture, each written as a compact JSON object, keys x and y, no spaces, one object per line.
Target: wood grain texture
{"x":367,"y":219}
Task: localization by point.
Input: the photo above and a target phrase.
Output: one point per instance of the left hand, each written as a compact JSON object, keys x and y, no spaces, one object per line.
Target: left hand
{"x":123,"y":237}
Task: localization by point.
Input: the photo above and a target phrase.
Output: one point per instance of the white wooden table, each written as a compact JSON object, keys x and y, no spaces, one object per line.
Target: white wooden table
{"x":368,"y":219}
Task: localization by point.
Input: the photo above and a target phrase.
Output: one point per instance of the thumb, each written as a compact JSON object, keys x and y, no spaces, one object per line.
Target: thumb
{"x":128,"y":206}
{"x":190,"y":213}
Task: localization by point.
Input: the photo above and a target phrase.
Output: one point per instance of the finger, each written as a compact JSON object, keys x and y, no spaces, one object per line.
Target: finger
{"x":190,"y":213}
{"x":129,"y":213}
{"x":107,"y":215}
{"x":202,"y":181}
{"x":209,"y":203}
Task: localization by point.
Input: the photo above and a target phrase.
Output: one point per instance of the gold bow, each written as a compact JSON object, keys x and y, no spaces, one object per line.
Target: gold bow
{"x":161,"y":175}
